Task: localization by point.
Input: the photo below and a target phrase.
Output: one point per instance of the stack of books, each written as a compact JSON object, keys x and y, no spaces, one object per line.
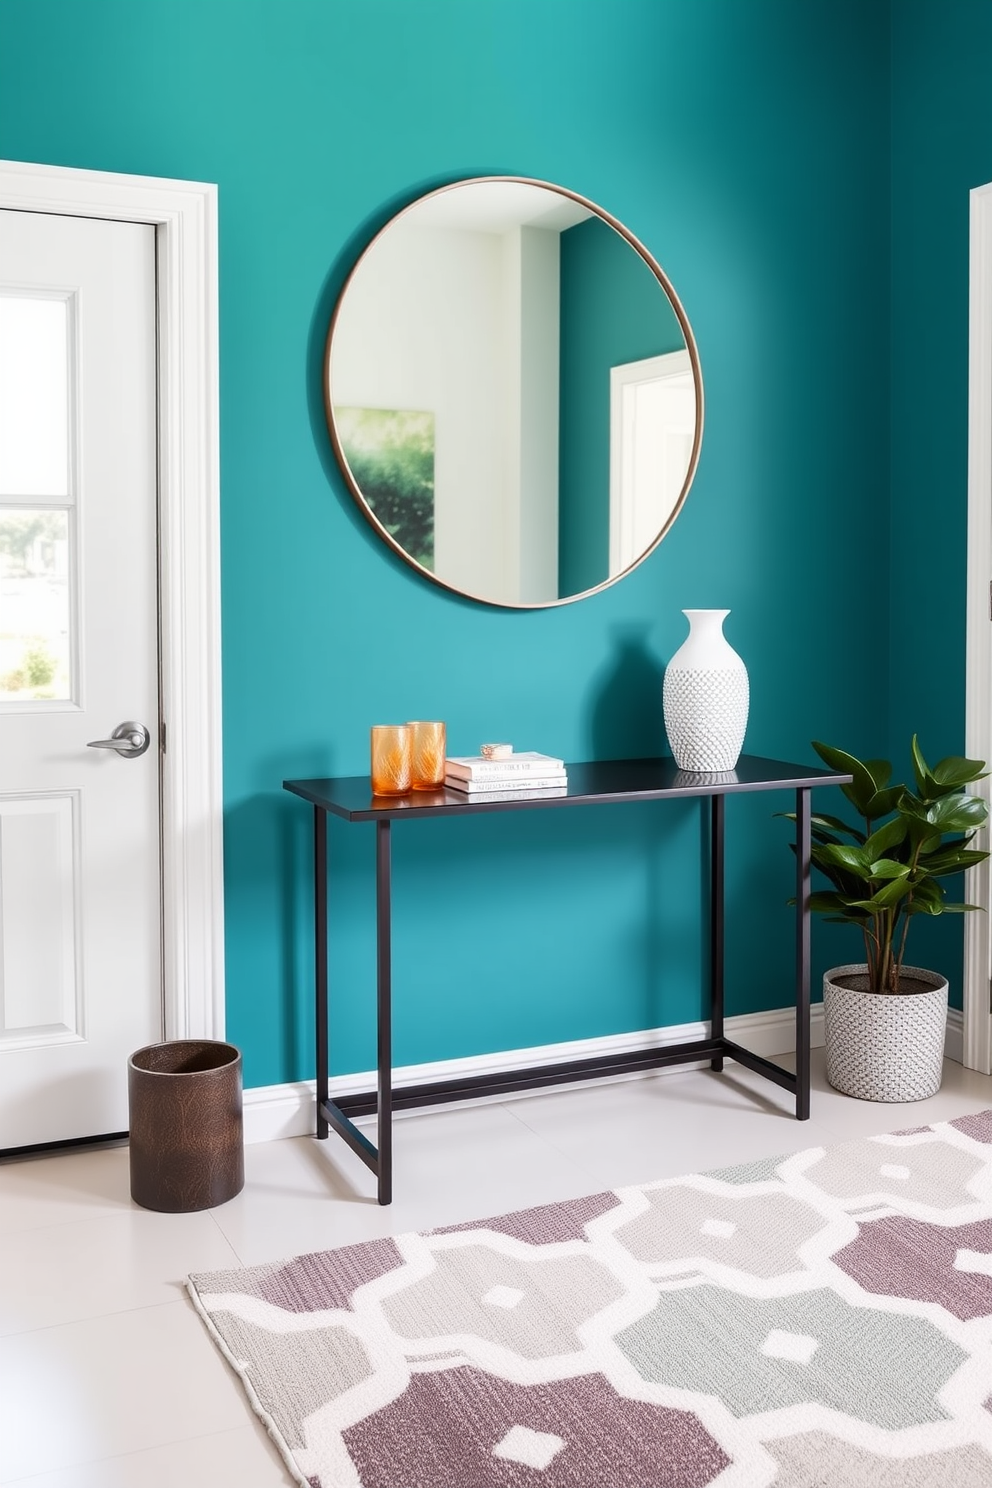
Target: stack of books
{"x":514,"y":777}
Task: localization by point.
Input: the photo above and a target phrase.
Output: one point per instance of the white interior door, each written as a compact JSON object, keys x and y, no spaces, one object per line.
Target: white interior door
{"x":80,"y":936}
{"x":652,"y":428}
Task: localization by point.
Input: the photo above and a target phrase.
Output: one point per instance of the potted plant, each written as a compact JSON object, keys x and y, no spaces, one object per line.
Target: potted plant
{"x":884,"y":1021}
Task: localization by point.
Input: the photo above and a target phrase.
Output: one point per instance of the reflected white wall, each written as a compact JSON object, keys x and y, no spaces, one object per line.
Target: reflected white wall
{"x":429,"y":302}
{"x":536,"y":293}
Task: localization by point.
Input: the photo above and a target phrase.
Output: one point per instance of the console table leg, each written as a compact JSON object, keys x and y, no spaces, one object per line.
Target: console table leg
{"x":320,"y":959}
{"x":384,"y":1011}
{"x":803,"y":846}
{"x":717,"y":804}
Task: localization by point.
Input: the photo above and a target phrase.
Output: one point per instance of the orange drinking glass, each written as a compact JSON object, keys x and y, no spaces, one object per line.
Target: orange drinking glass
{"x":428,"y":755}
{"x":391,"y":758}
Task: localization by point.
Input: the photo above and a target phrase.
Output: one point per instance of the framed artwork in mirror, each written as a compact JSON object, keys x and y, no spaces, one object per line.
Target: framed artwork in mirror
{"x":513,"y":392}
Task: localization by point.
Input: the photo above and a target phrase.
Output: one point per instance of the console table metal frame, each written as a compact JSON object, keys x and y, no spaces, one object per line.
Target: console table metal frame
{"x":588,"y":784}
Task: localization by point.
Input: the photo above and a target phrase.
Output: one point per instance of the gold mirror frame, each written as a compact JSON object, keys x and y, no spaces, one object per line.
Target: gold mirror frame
{"x":690,"y":345}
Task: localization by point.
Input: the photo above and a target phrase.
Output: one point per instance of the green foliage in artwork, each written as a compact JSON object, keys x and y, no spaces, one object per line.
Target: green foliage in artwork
{"x":391,"y":456}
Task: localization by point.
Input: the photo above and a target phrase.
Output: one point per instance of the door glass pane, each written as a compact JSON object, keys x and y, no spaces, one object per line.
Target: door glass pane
{"x":34,"y":397}
{"x":34,"y":605}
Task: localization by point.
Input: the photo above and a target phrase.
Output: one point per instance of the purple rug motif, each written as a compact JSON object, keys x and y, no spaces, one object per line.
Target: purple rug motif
{"x":822,"y":1320}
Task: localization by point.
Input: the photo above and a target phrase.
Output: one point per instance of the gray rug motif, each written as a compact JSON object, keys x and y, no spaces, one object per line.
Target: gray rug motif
{"x":819,"y":1321}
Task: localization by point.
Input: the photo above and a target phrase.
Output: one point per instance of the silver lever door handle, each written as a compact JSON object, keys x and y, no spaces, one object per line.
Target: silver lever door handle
{"x":129,"y":740}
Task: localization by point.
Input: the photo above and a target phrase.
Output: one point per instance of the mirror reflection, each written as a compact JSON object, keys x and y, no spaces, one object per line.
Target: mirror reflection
{"x":513,"y":392}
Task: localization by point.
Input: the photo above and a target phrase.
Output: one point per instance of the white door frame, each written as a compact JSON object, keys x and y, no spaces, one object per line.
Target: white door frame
{"x":184,"y":215}
{"x":978,"y":672}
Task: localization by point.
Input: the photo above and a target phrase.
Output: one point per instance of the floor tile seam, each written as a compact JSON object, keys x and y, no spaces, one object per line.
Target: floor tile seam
{"x":77,"y":1462}
{"x":54,"y":1224}
{"x":553,"y":1148}
{"x":93,"y":1317}
{"x":226,"y":1239}
{"x":8,"y":1234}
{"x":243,"y":1262}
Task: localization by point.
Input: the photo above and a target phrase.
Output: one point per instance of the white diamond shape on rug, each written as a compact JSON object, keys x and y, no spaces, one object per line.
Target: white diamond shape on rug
{"x":532,"y":1448}
{"x":503,"y":1296}
{"x":894,"y":1170}
{"x":798,"y":1348}
{"x":722,"y":1229}
{"x":976,"y":1261}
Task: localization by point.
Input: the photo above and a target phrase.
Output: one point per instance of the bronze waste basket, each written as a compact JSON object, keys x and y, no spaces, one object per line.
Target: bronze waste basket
{"x":186,"y":1127}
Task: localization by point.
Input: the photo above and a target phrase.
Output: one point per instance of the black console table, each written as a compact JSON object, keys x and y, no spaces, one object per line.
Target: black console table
{"x":600,"y":783}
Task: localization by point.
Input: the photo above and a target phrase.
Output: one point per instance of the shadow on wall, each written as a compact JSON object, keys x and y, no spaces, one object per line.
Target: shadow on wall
{"x":268,"y":840}
{"x":624,"y":708}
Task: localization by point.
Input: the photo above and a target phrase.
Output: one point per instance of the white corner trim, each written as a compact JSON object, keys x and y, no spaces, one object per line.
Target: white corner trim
{"x":274,"y":1111}
{"x":184,"y":214}
{"x":977,"y":1022}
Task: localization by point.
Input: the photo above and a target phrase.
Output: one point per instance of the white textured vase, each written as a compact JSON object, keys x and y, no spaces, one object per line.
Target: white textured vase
{"x":706,"y":696}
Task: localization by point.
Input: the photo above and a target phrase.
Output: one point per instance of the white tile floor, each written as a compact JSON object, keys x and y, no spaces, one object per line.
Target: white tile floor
{"x":107,"y":1377}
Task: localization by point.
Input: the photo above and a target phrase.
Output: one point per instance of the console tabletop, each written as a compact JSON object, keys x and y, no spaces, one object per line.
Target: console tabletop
{"x":597,"y":782}
{"x":350,"y":799}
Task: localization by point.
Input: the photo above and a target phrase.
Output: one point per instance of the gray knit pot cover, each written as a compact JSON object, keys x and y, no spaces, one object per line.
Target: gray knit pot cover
{"x":881,"y":1047}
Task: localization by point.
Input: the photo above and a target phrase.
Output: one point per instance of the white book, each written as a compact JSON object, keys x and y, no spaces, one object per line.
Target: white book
{"x":514,"y":792}
{"x":475,"y":767}
{"x":511,"y":782}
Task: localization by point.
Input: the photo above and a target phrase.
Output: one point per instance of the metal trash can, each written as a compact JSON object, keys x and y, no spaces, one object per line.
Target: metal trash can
{"x":186,"y":1127}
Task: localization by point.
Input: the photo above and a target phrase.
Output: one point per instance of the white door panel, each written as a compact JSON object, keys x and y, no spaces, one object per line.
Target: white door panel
{"x":80,"y":961}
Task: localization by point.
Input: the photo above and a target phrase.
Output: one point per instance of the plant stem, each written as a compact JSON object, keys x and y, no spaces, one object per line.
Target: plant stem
{"x":903,"y":909}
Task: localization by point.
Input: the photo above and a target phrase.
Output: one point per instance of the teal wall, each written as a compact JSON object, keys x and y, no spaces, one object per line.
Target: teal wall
{"x":747,"y":146}
{"x":941,"y":149}
{"x":611,"y":313}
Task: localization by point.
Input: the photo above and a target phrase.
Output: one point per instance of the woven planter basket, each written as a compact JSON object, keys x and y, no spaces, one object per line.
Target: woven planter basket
{"x":880,"y":1047}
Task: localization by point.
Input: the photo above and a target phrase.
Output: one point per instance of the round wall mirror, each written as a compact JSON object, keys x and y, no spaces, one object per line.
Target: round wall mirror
{"x":513,"y":392}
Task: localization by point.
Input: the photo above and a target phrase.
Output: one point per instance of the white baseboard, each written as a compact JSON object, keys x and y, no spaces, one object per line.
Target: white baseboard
{"x":274,"y":1111}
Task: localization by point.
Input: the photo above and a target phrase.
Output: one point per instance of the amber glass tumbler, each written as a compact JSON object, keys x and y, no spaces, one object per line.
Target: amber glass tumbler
{"x":391,"y":758}
{"x":428,"y":755}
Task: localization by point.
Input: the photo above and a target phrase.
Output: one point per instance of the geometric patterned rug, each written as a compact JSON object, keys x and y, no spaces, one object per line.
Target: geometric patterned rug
{"x":818,"y":1319}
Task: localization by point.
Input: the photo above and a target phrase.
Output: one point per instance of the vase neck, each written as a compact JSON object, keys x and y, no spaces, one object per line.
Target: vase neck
{"x":705,"y":622}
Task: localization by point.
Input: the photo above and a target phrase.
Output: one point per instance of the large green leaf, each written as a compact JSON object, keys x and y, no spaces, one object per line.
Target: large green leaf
{"x":863,"y":784}
{"x":950,"y":859}
{"x":887,"y":897}
{"x":924,"y":779}
{"x":836,"y":908}
{"x":955,"y":770}
{"x":880,"y":771}
{"x":847,"y":885}
{"x":885,"y":838}
{"x":843,"y":880}
{"x":921,"y":830}
{"x":958,"y":812}
{"x":826,"y":901}
{"x":927,"y":898}
{"x":819,"y":828}
{"x":821,"y":819}
{"x":883,"y":802}
{"x":853,"y":859}
{"x":886,"y":868}
{"x":925,"y":903}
